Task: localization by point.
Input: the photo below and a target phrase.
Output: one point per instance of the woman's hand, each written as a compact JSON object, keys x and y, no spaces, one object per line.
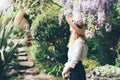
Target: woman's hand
{"x":66,"y":72}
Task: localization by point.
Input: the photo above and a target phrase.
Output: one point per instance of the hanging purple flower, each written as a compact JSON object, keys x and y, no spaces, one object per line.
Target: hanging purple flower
{"x":63,"y":1}
{"x":87,"y":7}
{"x":68,"y":12}
{"x":84,"y":19}
{"x":101,"y":17}
{"x":92,"y":12}
{"x":68,"y":8}
{"x":95,"y":5}
{"x":77,"y":17}
{"x":77,"y":12}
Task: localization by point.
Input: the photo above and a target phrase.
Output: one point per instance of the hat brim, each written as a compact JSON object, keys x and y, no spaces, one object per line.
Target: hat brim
{"x":76,"y":28}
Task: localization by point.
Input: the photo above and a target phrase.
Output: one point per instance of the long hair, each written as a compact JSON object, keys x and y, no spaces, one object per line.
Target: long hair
{"x":75,"y":36}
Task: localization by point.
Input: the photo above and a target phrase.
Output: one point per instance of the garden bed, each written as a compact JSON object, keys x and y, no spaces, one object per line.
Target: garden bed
{"x":104,"y":78}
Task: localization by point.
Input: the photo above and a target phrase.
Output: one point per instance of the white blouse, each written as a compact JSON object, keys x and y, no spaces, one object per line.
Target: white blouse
{"x":77,"y":52}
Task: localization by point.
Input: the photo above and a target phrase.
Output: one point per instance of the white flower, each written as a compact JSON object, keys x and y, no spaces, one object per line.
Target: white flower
{"x":89,"y":34}
{"x":48,"y":57}
{"x":108,"y":28}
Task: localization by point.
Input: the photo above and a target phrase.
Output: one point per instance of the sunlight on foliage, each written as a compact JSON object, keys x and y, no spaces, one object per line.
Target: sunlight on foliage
{"x":90,"y":64}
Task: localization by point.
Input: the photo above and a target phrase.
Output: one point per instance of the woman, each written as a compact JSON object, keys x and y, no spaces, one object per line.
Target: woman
{"x":77,"y":52}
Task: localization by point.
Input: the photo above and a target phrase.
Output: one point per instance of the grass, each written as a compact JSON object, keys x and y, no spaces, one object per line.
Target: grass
{"x":58,"y":78}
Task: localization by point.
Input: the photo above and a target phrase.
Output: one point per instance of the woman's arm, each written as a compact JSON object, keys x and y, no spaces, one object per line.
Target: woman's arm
{"x":66,"y":72}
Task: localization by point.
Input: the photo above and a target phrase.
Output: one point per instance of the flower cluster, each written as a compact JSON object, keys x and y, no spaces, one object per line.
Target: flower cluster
{"x":6,"y":6}
{"x":91,"y":12}
{"x":107,"y":71}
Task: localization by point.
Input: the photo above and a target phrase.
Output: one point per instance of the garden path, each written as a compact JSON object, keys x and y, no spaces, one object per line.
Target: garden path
{"x":26,"y":66}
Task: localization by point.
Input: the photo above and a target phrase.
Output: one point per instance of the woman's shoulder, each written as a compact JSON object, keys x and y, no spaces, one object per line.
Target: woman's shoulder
{"x":79,"y":41}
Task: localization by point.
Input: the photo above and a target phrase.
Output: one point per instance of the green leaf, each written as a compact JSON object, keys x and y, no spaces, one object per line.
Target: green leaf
{"x":2,"y":54}
{"x":2,"y":34}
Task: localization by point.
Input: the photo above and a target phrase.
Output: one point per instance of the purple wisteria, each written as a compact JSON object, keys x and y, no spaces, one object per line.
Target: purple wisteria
{"x":63,"y":1}
{"x":91,"y":12}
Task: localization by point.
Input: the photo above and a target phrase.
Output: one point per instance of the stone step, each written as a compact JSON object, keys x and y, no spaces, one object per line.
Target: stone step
{"x":33,"y":71}
{"x":21,"y":50}
{"x":39,"y":77}
{"x":22,"y":71}
{"x":30,"y":77}
{"x":22,"y":58}
{"x":22,"y":54}
{"x":45,"y":77}
{"x":28,"y":64}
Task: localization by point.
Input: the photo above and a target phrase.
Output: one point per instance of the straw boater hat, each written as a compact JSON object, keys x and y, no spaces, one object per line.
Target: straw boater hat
{"x":77,"y":27}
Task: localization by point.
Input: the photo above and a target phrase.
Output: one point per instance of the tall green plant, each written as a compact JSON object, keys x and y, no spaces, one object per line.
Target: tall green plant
{"x":6,"y":50}
{"x":52,"y":38}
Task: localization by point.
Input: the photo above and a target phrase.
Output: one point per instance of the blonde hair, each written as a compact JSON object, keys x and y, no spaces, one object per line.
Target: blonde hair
{"x":75,"y":36}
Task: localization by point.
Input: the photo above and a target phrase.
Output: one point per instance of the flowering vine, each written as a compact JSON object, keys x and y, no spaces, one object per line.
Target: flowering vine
{"x":94,"y":13}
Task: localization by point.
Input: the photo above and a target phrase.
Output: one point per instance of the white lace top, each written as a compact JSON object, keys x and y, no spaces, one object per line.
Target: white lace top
{"x":77,"y":52}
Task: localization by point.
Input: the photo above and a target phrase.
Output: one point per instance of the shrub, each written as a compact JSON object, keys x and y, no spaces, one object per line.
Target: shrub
{"x":33,"y":49}
{"x":52,"y":38}
{"x":90,"y":64}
